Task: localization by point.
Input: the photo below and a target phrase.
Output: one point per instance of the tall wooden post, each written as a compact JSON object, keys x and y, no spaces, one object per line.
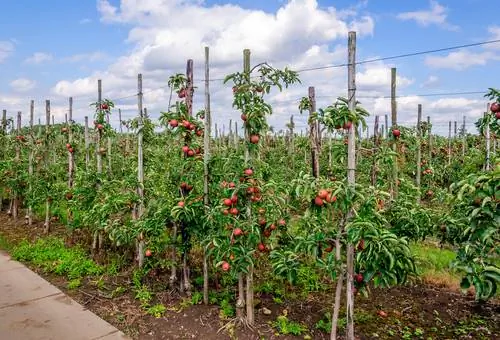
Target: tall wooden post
{"x":206,"y":161}
{"x":313,"y":133}
{"x":351,"y":177}
{"x":419,"y":150}
{"x":140,"y":168}
{"x":29,"y":215}
{"x":47,"y":145}
{"x":394,"y":121}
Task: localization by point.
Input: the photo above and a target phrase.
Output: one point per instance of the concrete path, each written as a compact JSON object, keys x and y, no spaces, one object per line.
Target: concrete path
{"x":33,"y":309}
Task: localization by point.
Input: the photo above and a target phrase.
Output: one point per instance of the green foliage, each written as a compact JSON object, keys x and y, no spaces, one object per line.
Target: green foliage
{"x":52,"y":256}
{"x":477,"y":258}
{"x":285,"y":326}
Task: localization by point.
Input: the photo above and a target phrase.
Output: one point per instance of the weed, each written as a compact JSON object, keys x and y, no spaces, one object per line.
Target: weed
{"x":285,"y":326}
{"x":196,"y":298}
{"x":75,"y":283}
{"x":144,"y":296}
{"x":157,"y":310}
{"x":52,"y":256}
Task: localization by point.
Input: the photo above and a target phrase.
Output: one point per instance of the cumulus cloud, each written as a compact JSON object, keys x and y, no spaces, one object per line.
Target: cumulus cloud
{"x":6,"y":49}
{"x":39,"y":58}
{"x":431,"y":81}
{"x":87,"y":57}
{"x":460,"y":60}
{"x":22,"y":84}
{"x":160,"y":48}
{"x":435,"y":15}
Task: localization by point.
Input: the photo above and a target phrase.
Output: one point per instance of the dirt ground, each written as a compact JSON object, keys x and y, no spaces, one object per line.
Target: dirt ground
{"x":414,"y":311}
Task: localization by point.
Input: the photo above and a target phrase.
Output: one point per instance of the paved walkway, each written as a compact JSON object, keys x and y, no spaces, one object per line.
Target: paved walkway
{"x":33,"y":309}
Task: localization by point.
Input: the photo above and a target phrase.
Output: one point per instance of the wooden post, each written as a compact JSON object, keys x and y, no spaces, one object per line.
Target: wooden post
{"x":351,"y":178}
{"x":16,"y":198}
{"x":429,"y":140}
{"x":71,"y":155}
{"x":376,"y":140}
{"x":87,"y":142}
{"x":4,"y":132}
{"x":190,"y":89}
{"x":47,"y":144}
{"x":313,"y":134}
{"x":206,"y":161}
{"x":464,"y":138}
{"x":394,"y":122}
{"x":29,"y":215}
{"x":386,"y":124}
{"x":488,"y":141}
{"x":140,"y":168}
{"x":449,"y":142}
{"x":99,"y":132}
{"x":455,"y":130}
{"x":249,"y":286}
{"x":419,"y":149}
{"x":120,"y":120}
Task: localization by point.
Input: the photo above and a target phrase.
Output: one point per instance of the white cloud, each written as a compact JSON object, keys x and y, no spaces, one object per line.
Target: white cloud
{"x":432,"y":81}
{"x":88,"y":57}
{"x":6,"y":49}
{"x":39,"y":58}
{"x":160,"y":48}
{"x":22,"y":84}
{"x":460,"y":60}
{"x":436,"y":15}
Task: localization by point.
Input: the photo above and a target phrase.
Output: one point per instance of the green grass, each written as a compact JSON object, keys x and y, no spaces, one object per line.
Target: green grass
{"x":433,"y":264}
{"x":51,"y":255}
{"x":4,"y":244}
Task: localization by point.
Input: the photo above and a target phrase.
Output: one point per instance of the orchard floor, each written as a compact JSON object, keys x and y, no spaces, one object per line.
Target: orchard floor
{"x":416,"y":311}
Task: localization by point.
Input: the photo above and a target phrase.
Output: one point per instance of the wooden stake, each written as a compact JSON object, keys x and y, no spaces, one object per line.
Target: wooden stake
{"x":449,"y":142}
{"x":29,"y":215}
{"x":206,"y":162}
{"x":394,"y":121}
{"x":140,"y":168}
{"x":351,"y":178}
{"x":313,"y":134}
{"x":249,"y":277}
{"x":71,"y":155}
{"x":87,"y":142}
{"x":464,"y":138}
{"x":47,"y":134}
{"x":419,"y":150}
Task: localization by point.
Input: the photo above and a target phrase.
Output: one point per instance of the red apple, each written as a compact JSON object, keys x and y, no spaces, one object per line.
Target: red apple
{"x":323,"y":194}
{"x":234,"y":211}
{"x":185,"y":148}
{"x":318,"y":201}
{"x":282,"y":222}
{"x":262,"y":247}
{"x":237,"y":232}
{"x":148,"y":253}
{"x":234,"y":199}
{"x":248,"y":172}
{"x":225,"y":266}
{"x":495,"y":108}
{"x":243,"y":117}
{"x":174,"y":123}
{"x":232,"y":185}
{"x":190,"y":153}
{"x":347,"y":125}
{"x":396,"y":133}
{"x":181,"y":204}
{"x":228,"y":202}
{"x":254,"y":139}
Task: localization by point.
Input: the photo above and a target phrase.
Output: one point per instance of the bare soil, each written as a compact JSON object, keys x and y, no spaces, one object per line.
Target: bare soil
{"x":414,"y":311}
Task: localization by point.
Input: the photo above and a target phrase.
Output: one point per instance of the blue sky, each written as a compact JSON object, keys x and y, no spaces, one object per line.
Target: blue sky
{"x":58,"y":50}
